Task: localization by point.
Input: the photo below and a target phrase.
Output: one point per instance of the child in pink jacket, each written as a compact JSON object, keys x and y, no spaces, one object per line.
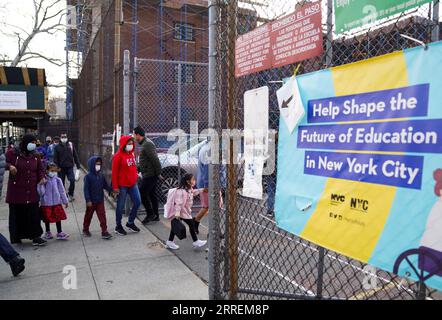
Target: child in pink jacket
{"x":183,"y":201}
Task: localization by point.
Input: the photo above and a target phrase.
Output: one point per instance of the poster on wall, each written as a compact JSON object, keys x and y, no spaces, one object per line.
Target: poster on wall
{"x":256,"y":133}
{"x":350,"y":14}
{"x":362,"y":173}
{"x":293,"y":38}
{"x":13,"y":100}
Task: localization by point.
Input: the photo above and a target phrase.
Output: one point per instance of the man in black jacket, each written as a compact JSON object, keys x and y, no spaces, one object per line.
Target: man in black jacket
{"x":65,"y":157}
{"x":7,"y":252}
{"x":150,"y":168}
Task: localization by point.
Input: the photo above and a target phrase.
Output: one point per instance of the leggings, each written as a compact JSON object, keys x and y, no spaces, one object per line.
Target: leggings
{"x":189,"y":222}
{"x":58,"y":224}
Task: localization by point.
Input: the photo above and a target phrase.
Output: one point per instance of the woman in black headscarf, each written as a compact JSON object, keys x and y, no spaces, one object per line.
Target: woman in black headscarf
{"x":25,"y":172}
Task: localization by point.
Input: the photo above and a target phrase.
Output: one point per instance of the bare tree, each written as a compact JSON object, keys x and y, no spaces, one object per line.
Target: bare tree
{"x":47,"y":18}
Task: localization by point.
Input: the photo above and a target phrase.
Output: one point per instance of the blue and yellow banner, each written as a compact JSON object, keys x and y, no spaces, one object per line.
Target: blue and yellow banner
{"x":362,"y":173}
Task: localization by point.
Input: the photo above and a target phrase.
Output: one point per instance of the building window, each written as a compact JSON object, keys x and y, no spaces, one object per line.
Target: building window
{"x":187,"y":73}
{"x":183,"y":32}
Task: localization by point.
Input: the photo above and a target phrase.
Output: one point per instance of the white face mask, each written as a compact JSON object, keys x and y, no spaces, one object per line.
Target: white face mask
{"x":52,"y":174}
{"x":31,"y":146}
{"x":129,"y":147}
{"x":64,"y":140}
{"x":97,"y":168}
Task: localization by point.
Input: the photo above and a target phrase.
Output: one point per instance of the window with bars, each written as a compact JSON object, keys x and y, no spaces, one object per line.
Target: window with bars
{"x":184,"y":32}
{"x":187,"y":73}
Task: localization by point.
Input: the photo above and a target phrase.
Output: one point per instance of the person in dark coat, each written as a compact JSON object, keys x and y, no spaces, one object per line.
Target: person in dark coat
{"x":7,"y":252}
{"x":25,"y":173}
{"x":65,"y":157}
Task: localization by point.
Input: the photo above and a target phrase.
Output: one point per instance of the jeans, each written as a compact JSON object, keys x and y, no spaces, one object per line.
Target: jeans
{"x":68,"y":173}
{"x":134,"y":195}
{"x":271,"y":189}
{"x":148,"y":191}
{"x":7,"y":252}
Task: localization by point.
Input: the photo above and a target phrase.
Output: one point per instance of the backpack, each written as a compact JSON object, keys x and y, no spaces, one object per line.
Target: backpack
{"x":169,"y":207}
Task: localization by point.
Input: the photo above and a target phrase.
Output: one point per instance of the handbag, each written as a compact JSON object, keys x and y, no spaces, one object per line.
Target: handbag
{"x":178,"y":229}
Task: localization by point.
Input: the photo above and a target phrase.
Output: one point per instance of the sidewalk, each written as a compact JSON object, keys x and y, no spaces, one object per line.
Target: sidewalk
{"x":136,"y":266}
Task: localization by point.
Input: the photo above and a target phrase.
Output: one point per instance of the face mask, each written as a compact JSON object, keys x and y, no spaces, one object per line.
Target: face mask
{"x":31,"y":146}
{"x":97,"y":168}
{"x":129,"y":147}
{"x":48,"y":141}
{"x":52,"y":174}
{"x":64,"y":140}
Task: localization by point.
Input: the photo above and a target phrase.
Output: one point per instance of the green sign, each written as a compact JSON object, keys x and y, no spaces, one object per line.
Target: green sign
{"x":351,"y":14}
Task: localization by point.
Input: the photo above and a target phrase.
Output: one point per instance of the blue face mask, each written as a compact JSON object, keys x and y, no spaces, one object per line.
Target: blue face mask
{"x":52,"y":174}
{"x":31,"y":146}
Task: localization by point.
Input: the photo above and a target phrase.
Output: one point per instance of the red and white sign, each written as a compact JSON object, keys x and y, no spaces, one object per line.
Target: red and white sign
{"x":252,"y":51}
{"x":290,"y":39}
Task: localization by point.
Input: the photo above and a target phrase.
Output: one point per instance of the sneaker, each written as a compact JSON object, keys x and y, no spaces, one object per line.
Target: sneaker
{"x":48,"y":235}
{"x":106,"y":235}
{"x":196,"y":224}
{"x":17,"y":265}
{"x":132,"y":227}
{"x":120,"y":230}
{"x":145,"y":221}
{"x":38,"y":242}
{"x":199,"y":243}
{"x":62,"y":236}
{"x":156,"y":218}
{"x":86,"y":234}
{"x":172,"y":245}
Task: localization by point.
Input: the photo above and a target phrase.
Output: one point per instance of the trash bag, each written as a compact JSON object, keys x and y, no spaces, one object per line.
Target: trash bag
{"x":178,"y":229}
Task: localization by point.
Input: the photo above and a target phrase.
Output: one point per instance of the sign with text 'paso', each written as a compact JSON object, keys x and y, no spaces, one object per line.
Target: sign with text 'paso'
{"x":290,"y":39}
{"x":362,"y":173}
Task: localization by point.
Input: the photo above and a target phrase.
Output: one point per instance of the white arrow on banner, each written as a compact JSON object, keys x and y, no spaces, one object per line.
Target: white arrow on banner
{"x":290,"y":104}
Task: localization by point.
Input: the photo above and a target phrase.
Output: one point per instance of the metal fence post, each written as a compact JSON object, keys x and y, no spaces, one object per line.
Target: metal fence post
{"x":213,"y":221}
{"x":231,"y":117}
{"x":329,"y":63}
{"x":126,"y":93}
{"x":179,"y":103}
{"x":135,"y":94}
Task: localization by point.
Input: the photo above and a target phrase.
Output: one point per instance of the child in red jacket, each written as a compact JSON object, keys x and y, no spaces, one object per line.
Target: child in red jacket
{"x":124,"y":182}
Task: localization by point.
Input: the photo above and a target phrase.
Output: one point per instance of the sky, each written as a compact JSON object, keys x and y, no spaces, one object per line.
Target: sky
{"x":20,"y":13}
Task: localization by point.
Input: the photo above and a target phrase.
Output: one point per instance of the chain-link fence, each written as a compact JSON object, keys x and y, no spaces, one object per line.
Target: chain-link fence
{"x":99,"y":92}
{"x":170,"y":96}
{"x":250,"y":257}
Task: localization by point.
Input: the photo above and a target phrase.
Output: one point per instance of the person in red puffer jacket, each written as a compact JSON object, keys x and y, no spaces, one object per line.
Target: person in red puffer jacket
{"x":124,"y":182}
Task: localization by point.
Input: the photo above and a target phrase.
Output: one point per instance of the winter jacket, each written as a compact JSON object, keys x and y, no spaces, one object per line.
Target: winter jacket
{"x":22,"y":187}
{"x":184,"y":202}
{"x":94,"y":183}
{"x":124,"y":168}
{"x":2,"y":169}
{"x":50,"y":152}
{"x":65,"y":155}
{"x":52,"y":192}
{"x":149,"y":164}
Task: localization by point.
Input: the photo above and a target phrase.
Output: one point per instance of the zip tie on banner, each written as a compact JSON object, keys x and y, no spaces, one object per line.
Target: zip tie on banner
{"x":297,"y":69}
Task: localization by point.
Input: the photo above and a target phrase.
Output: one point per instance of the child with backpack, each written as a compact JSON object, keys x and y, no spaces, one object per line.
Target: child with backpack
{"x":52,"y":198}
{"x":179,"y":206}
{"x":94,"y":184}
